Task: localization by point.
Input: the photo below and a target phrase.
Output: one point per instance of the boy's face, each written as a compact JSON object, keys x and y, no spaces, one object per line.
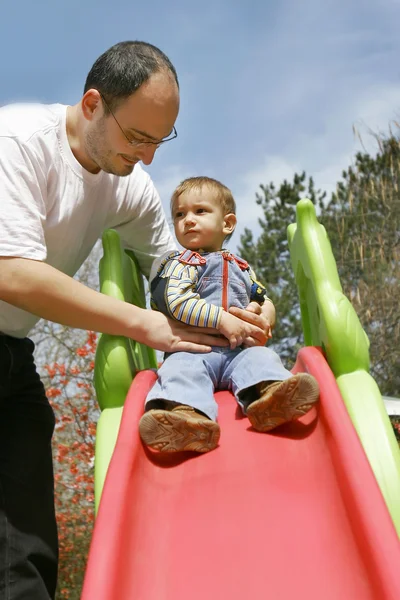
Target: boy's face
{"x":199,"y":221}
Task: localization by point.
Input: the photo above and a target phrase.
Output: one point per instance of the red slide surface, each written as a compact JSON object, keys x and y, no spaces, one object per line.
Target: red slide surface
{"x":292,"y":514}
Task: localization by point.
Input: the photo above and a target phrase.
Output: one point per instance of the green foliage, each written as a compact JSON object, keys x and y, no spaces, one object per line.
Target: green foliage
{"x":362,"y":220}
{"x":396,"y":427}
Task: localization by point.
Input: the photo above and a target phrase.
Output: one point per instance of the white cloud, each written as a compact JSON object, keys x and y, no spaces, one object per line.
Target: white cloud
{"x":324,"y":154}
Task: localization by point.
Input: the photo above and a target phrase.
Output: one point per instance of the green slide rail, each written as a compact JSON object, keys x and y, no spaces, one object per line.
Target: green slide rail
{"x":330,"y":321}
{"x":118,"y":359}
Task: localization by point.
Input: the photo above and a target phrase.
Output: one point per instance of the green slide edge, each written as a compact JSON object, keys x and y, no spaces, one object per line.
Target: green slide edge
{"x":118,"y":359}
{"x":330,"y":321}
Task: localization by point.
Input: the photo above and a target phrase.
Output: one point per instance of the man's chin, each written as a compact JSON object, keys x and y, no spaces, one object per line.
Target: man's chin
{"x":126,"y":170}
{"x":120,"y":171}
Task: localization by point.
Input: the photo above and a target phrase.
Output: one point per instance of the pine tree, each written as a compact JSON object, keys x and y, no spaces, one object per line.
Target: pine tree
{"x":362,"y":220}
{"x":363,"y":223}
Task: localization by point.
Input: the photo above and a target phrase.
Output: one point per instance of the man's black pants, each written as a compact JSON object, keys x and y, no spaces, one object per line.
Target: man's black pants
{"x":28,"y":531}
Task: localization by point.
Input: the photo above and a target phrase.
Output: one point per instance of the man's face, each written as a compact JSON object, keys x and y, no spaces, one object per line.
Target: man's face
{"x":146,"y":116}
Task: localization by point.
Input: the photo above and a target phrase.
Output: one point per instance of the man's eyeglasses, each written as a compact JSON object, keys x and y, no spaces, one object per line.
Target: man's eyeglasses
{"x":132,"y":140}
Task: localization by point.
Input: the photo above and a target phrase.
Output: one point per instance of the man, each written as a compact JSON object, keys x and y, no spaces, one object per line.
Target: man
{"x":66,"y":174}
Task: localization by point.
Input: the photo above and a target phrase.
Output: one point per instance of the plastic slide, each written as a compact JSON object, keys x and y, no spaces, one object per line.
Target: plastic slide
{"x":310,"y":510}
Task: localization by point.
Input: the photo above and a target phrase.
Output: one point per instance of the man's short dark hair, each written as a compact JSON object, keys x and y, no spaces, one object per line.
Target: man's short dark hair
{"x":124,"y":67}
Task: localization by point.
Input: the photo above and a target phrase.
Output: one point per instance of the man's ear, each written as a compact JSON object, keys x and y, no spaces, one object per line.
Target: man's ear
{"x":229,"y":223}
{"x":91,"y":102}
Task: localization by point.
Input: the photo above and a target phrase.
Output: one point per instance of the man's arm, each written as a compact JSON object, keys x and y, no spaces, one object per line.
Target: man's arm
{"x":27,"y":282}
{"x":44,"y":291}
{"x":269,"y":312}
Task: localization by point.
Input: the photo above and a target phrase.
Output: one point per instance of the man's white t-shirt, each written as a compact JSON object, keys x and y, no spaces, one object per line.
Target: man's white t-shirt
{"x":53,"y":210}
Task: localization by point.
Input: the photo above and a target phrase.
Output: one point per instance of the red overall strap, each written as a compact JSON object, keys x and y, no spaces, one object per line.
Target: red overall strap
{"x":187,"y":257}
{"x":242,"y":264}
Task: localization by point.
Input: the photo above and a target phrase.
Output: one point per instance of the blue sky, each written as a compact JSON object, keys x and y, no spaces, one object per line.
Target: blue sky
{"x":268,"y":88}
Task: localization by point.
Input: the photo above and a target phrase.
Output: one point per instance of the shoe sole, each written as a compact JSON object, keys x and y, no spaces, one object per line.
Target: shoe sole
{"x":287,"y":402}
{"x":168,"y":431}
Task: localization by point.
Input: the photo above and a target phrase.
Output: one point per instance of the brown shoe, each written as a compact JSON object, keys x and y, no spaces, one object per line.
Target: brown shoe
{"x":181,"y":428}
{"x":283,"y":401}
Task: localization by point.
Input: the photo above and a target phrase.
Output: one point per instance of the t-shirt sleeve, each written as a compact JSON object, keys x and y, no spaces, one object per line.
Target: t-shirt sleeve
{"x":147,"y":233}
{"x":22,"y":204}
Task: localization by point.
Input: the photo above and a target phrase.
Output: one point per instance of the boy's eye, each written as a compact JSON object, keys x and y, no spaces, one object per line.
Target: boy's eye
{"x":178,"y":215}
{"x":200,"y":210}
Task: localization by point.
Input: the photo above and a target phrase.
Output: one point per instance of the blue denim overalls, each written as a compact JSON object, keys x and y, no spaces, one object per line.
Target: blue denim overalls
{"x":191,"y":379}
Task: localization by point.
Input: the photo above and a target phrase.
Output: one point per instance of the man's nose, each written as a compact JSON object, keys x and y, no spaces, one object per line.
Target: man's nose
{"x":146,"y":153}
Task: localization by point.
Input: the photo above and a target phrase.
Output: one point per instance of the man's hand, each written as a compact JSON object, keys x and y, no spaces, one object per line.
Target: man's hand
{"x":168,"y":335}
{"x":250,"y":327}
{"x":261,"y":316}
{"x":161,"y":333}
{"x":268,"y":311}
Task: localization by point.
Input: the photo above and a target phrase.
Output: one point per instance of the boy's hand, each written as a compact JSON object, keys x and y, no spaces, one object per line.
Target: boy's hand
{"x":263,"y":317}
{"x":235,"y":330}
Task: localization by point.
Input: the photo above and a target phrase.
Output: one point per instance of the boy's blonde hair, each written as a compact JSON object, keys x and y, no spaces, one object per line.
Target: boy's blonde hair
{"x":223,"y":194}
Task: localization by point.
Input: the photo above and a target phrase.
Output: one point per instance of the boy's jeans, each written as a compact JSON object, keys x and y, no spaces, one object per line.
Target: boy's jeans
{"x":28,"y":531}
{"x":191,"y":379}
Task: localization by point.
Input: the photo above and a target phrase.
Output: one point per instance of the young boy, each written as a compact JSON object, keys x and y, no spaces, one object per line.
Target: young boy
{"x":197,"y":287}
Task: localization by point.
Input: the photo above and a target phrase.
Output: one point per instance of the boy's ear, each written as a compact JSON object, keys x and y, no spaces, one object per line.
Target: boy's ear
{"x":229,"y":223}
